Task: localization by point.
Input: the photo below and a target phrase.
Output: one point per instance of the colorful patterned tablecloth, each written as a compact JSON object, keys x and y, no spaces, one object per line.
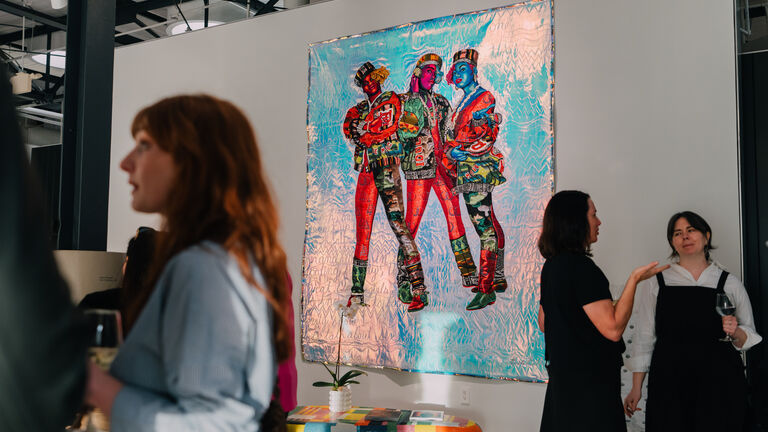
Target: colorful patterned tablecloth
{"x":317,"y":418}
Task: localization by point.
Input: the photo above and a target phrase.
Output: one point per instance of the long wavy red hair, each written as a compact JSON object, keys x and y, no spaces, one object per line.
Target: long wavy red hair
{"x":220,"y":194}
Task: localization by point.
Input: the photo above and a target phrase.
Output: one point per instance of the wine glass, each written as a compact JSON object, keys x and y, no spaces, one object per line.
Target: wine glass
{"x":725,"y":307}
{"x":106,"y":336}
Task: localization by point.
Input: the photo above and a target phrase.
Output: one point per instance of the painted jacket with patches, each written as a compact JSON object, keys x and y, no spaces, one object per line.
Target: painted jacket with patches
{"x":474,"y":128}
{"x":372,"y":127}
{"x":422,"y":131}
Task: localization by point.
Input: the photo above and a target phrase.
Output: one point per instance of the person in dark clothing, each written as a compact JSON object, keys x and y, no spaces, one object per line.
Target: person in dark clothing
{"x":582,"y":327}
{"x":104,"y":299}
{"x":679,"y":339}
{"x":133,"y":288}
{"x":42,"y":342}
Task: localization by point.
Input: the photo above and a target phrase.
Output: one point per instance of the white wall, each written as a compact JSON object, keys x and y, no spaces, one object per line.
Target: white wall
{"x":645,"y":122}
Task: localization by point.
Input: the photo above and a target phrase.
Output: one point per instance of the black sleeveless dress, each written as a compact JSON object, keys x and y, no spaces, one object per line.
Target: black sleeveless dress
{"x":584,"y":390}
{"x":695,"y":382}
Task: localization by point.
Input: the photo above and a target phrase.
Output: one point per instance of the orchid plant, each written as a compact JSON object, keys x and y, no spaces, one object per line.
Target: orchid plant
{"x":349,"y":311}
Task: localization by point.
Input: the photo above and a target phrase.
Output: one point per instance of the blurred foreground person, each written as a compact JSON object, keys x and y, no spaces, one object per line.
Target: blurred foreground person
{"x":287,"y":375}
{"x":203,"y":352}
{"x":42,"y":349}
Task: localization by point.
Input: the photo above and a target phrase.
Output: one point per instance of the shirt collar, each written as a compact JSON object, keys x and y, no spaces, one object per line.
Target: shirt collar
{"x":680,"y":274}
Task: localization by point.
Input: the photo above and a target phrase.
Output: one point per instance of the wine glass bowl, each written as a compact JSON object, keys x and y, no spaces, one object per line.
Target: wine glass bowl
{"x":725,"y":307}
{"x":105,"y":338}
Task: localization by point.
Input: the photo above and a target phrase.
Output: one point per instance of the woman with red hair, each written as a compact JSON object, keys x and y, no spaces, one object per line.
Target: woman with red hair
{"x":203,"y":352}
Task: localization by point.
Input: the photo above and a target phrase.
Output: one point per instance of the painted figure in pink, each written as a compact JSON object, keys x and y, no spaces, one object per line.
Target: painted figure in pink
{"x":422,"y":130}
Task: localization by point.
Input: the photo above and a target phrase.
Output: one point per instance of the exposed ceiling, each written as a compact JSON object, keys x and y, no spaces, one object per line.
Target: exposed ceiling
{"x":35,"y":27}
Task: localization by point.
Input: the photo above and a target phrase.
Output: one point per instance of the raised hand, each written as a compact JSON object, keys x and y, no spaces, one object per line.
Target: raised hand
{"x":649,"y":270}
{"x":458,"y":154}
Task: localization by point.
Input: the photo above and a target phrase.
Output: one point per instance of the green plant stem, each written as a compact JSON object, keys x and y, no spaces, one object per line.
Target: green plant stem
{"x":338,"y":347}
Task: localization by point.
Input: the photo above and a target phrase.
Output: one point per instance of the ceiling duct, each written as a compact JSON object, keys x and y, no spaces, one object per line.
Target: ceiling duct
{"x":219,"y":12}
{"x":293,"y":4}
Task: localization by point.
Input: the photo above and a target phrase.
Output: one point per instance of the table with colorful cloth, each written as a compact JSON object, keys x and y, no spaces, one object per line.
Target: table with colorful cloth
{"x":317,"y":418}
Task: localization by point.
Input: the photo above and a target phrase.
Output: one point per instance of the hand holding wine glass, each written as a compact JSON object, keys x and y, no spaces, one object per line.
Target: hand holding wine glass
{"x":725,"y":307}
{"x":106,"y":335}
{"x":105,"y":339}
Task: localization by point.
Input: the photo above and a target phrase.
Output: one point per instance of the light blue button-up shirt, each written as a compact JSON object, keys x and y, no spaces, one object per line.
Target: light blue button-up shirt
{"x":200,"y":356}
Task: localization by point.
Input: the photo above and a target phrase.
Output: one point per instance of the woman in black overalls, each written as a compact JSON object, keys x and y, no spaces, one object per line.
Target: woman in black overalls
{"x":696,"y":380}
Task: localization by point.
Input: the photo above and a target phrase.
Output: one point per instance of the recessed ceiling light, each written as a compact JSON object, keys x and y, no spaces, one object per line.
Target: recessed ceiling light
{"x":58,"y":58}
{"x":181,"y":27}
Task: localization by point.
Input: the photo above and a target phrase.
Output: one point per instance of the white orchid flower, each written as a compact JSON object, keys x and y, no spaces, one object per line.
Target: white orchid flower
{"x":352,"y":310}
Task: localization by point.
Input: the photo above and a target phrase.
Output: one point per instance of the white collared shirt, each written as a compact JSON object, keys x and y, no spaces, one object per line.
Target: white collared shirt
{"x":644,"y":313}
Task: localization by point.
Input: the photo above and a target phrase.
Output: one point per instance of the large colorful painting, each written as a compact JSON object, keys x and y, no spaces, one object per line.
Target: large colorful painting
{"x":430,"y":164}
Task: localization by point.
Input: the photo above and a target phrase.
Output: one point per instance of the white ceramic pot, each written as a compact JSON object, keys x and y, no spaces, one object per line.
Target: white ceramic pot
{"x":340,"y":400}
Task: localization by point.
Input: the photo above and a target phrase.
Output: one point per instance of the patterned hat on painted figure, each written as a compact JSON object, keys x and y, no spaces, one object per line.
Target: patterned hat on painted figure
{"x":429,"y":59}
{"x":467,"y":55}
{"x":380,"y":74}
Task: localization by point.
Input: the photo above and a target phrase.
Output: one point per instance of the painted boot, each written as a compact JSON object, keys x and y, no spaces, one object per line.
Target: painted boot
{"x":419,"y":292}
{"x":485,"y":295}
{"x":465,"y":262}
{"x":403,"y":283}
{"x":359,"y":269}
{"x":499,"y":280}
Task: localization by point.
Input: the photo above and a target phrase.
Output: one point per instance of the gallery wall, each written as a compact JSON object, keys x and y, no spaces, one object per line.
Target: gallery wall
{"x":645,"y":121}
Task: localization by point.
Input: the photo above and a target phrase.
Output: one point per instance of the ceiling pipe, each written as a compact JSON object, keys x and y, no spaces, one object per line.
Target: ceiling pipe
{"x":293,"y":4}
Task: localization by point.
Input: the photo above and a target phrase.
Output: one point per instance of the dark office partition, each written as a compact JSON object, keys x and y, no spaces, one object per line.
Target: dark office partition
{"x":46,"y":165}
{"x":754,"y":172}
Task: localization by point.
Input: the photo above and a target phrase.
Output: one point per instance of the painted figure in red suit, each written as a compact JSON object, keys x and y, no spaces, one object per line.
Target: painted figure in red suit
{"x":422,"y":133}
{"x":478,"y":167}
{"x":371,"y":125}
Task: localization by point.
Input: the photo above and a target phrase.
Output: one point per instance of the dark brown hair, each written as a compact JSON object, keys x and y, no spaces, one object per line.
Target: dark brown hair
{"x":138,"y":260}
{"x":565,"y":227}
{"x":697,"y":222}
{"x":220,"y":193}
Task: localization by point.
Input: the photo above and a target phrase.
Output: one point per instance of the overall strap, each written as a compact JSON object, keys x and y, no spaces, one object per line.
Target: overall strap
{"x":721,"y":282}
{"x":660,"y":279}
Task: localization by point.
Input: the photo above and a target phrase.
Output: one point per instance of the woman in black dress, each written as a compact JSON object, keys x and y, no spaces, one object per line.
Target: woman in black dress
{"x":582,"y":327}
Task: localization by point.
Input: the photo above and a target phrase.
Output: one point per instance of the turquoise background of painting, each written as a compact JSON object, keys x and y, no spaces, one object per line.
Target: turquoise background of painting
{"x":501,"y":341}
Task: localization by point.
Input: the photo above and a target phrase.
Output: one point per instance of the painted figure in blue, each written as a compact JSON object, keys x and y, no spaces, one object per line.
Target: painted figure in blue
{"x":471,"y":156}
{"x":371,"y":126}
